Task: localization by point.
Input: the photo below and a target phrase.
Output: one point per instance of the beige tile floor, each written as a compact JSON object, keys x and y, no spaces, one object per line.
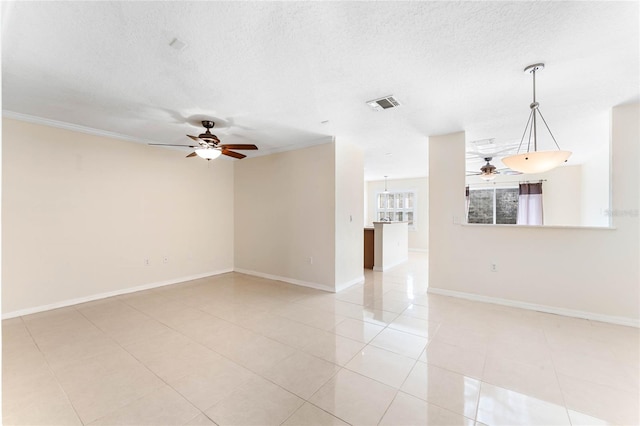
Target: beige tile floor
{"x":239,"y":350}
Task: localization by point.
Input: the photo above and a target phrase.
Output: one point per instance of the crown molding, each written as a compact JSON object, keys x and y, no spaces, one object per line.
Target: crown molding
{"x":104,"y":133}
{"x":70,"y":126}
{"x":314,"y":142}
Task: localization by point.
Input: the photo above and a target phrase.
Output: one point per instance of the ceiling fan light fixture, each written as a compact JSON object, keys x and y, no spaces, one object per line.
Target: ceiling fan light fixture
{"x":488,"y":176}
{"x":208,"y":153}
{"x":535,"y":161}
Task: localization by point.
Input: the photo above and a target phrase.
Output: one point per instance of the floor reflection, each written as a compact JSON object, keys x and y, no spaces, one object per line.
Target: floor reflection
{"x":238,"y":349}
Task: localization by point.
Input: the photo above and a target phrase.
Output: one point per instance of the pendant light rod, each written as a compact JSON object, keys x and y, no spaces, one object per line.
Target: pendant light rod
{"x":534,"y":108}
{"x":534,"y":161}
{"x":533,"y":71}
{"x":532,"y":122}
{"x":526,"y":127}
{"x":385,"y":184}
{"x":548,"y":129}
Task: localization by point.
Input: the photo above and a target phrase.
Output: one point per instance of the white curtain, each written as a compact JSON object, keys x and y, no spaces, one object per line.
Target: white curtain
{"x":530,"y":204}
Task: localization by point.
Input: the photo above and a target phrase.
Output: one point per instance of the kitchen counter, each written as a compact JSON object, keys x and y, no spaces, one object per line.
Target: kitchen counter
{"x":386,"y":245}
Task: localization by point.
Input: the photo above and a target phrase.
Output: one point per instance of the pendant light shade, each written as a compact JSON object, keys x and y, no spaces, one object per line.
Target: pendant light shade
{"x":208,"y":153}
{"x":534,"y":161}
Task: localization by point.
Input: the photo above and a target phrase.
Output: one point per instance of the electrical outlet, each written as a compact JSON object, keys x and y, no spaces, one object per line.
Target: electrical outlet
{"x":310,"y":260}
{"x":494,"y":267}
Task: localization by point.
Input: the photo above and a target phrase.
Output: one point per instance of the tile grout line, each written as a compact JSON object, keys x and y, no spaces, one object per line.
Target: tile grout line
{"x":484,"y":365}
{"x":141,"y":363}
{"x":555,"y":373}
{"x":53,"y":373}
{"x":395,"y":395}
{"x":229,"y":359}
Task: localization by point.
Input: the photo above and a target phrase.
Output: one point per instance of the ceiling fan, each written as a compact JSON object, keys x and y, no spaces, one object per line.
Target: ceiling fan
{"x":489,"y":171}
{"x":209,"y":146}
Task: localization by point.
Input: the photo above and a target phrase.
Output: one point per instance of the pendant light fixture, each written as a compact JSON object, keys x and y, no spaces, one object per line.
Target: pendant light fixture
{"x":385,"y":186}
{"x":534,"y":161}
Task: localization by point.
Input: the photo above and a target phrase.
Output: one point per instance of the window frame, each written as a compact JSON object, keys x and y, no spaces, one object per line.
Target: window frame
{"x":414,"y":209}
{"x":495,"y":202}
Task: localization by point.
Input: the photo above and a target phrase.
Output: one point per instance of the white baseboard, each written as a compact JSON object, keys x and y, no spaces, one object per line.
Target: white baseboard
{"x":70,"y":302}
{"x":631,"y":322}
{"x":339,"y":287}
{"x":418,"y":250}
{"x":285,"y":279}
{"x":386,"y":268}
{"x":344,"y":286}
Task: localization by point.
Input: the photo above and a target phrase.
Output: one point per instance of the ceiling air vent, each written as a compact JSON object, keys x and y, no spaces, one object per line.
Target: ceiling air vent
{"x":383,"y":103}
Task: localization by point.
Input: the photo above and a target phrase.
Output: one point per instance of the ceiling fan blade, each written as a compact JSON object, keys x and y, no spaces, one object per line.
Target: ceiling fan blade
{"x":193,"y":154}
{"x":474,"y":174}
{"x":239,"y":146}
{"x":195,"y":138}
{"x":232,"y":154}
{"x":170,"y":144}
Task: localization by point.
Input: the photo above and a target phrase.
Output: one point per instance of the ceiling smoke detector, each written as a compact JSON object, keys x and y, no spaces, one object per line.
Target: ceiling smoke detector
{"x":383,"y":103}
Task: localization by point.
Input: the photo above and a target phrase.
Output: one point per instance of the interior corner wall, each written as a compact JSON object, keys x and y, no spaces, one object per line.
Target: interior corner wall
{"x":584,"y":272}
{"x":81,"y":213}
{"x":349,"y":214}
{"x":446,"y":206}
{"x":285,"y":210}
{"x":595,"y":203}
{"x":562,"y":195}
{"x":418,"y":237}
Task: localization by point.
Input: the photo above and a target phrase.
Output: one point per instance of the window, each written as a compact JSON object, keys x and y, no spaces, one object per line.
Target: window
{"x":397,"y":206}
{"x":493,"y":206}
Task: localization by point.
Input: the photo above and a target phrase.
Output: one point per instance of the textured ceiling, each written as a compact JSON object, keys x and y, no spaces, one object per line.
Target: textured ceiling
{"x":276,"y":70}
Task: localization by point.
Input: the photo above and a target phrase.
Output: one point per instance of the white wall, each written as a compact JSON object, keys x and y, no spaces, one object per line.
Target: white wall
{"x":349,"y":231}
{"x":577,"y":271}
{"x":80,"y":213}
{"x":596,"y":189}
{"x":561,"y":193}
{"x":285,"y":213}
{"x":419,"y":237}
{"x":562,"y":196}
